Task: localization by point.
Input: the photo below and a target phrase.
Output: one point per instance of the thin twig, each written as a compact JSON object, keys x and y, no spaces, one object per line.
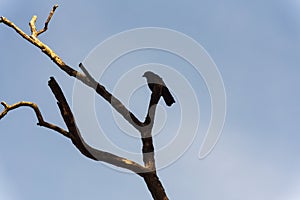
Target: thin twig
{"x":85,"y":71}
{"x":34,"y":32}
{"x":38,"y":114}
{"x":48,"y":20}
{"x":45,"y":49}
{"x":33,"y":27}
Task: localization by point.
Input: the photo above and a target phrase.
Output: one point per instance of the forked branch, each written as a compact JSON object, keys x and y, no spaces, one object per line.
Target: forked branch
{"x":100,"y":89}
{"x":73,"y":132}
{"x":34,"y":32}
{"x":145,"y":128}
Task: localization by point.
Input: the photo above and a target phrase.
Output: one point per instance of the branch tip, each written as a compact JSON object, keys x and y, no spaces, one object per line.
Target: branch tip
{"x":51,"y":79}
{"x":81,"y":66}
{"x":33,"y":19}
{"x":5,"y":105}
{"x":48,"y":20}
{"x":32,"y":26}
{"x":88,"y":75}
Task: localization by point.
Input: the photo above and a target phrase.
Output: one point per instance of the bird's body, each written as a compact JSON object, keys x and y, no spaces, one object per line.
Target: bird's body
{"x":153,"y":81}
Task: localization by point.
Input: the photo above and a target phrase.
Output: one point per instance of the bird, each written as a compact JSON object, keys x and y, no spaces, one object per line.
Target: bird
{"x":155,"y":80}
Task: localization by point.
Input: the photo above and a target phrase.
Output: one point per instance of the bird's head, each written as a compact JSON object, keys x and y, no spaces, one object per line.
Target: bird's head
{"x":148,"y":74}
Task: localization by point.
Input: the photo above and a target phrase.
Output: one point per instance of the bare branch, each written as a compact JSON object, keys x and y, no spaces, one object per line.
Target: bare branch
{"x":145,"y":128}
{"x":146,"y":132}
{"x":79,"y":142}
{"x":85,"y":78}
{"x":117,"y":160}
{"x":38,"y":114}
{"x":100,"y":155}
{"x":48,"y":20}
{"x":116,"y":103}
{"x":5,"y":21}
{"x":88,"y":75}
{"x":34,"y":32}
{"x":155,"y":187}
{"x":44,"y":48}
{"x":33,"y":27}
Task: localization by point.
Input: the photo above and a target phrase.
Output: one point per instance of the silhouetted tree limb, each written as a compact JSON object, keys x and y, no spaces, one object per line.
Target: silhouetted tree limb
{"x":146,"y":133}
{"x":38,"y":114}
{"x":117,"y":104}
{"x":152,"y":180}
{"x":73,"y":132}
{"x":79,"y":142}
{"x":100,"y":89}
{"x":145,"y":128}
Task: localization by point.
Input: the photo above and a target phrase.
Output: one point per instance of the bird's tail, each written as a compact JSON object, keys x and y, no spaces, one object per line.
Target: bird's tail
{"x":167,"y":96}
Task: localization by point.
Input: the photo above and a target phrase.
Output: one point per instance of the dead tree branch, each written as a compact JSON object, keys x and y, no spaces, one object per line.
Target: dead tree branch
{"x":73,"y":132}
{"x":79,"y":142}
{"x":145,"y":128}
{"x":48,"y":20}
{"x":100,"y":89}
{"x":38,"y":114}
{"x":146,"y":133}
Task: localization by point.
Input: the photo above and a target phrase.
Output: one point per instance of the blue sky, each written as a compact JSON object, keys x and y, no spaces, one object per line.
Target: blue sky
{"x":255,"y":45}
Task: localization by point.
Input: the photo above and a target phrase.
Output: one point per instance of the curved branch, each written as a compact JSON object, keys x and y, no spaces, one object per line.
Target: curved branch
{"x":74,"y":133}
{"x":38,"y":114}
{"x":79,"y":142}
{"x":99,"y":155}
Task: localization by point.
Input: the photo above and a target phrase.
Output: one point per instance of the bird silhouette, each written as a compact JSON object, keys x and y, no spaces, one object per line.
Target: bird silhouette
{"x":154,"y":80}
